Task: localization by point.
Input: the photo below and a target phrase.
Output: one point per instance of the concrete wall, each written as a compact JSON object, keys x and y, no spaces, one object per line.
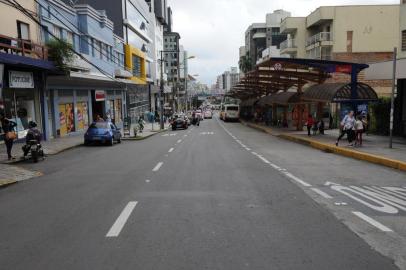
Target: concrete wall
{"x":10,"y":16}
{"x":375,"y":28}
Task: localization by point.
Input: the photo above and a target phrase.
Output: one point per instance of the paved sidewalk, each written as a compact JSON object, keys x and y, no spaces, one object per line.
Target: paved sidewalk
{"x":149,"y":130}
{"x":375,"y":148}
{"x":12,"y":174}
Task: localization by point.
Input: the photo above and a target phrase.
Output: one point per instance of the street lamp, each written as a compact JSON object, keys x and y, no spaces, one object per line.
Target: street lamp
{"x":186,"y":75}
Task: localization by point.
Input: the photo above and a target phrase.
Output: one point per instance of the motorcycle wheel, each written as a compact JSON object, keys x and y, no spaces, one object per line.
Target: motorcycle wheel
{"x":34,"y":156}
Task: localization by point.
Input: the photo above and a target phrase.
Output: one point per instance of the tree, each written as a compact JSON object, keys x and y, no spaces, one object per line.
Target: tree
{"x":245,"y":63}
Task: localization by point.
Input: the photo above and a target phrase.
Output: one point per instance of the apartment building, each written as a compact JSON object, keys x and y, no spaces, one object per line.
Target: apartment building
{"x":265,"y":36}
{"x":345,"y":33}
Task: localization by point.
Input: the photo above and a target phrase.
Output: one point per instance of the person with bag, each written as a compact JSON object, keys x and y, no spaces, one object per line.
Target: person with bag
{"x":9,"y":135}
{"x":347,"y":126}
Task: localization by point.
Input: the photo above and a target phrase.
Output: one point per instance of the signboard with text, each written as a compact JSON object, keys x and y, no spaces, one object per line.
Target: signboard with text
{"x":100,"y":95}
{"x":19,"y":79}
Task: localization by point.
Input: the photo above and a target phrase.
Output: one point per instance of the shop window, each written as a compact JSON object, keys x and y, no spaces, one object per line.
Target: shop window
{"x":66,"y":119}
{"x":83,"y":115}
{"x":23,"y":30}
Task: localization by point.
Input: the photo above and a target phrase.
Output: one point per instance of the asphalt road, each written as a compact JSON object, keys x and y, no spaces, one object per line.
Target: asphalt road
{"x":194,"y":199}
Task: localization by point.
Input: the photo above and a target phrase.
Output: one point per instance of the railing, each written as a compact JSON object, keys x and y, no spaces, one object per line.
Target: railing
{"x":322,"y":36}
{"x":23,"y":47}
{"x":289,"y":43}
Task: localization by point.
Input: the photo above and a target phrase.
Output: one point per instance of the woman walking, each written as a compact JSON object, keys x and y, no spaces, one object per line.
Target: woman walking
{"x":9,"y":135}
{"x":359,"y":129}
{"x":347,"y":125}
{"x":309,"y":124}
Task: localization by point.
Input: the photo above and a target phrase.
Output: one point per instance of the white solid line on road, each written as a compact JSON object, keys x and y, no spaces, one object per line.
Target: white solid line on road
{"x":121,"y":220}
{"x":254,"y":153}
{"x":300,"y":181}
{"x":264,"y":159}
{"x":179,"y":141}
{"x":157,"y":167}
{"x":372,"y":221}
{"x":171,"y":150}
{"x":248,"y":149}
{"x":322,"y":193}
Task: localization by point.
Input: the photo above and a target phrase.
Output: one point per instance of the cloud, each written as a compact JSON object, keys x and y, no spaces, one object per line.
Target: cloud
{"x":213,"y":30}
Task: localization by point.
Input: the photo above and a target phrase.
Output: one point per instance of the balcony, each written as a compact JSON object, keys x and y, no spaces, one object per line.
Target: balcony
{"x":320,"y":39}
{"x":288,"y":46}
{"x":23,"y":47}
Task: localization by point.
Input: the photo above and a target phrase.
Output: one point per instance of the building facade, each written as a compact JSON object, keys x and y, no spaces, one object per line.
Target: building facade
{"x":23,"y":66}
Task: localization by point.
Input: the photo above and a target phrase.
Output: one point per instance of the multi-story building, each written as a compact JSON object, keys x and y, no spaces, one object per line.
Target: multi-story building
{"x":345,"y":33}
{"x":228,"y":79}
{"x":171,"y":56}
{"x":262,"y":36}
{"x":22,"y":86}
{"x":132,"y":23}
{"x":90,"y":87}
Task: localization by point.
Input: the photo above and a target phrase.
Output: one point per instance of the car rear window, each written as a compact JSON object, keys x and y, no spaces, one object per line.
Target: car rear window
{"x":104,"y":125}
{"x":232,"y":108}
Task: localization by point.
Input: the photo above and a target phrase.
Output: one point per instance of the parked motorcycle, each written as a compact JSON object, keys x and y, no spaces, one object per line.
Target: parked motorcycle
{"x":34,"y":148}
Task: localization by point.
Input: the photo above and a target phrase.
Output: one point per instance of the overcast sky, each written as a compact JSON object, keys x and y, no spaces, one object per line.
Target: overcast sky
{"x":213,"y":30}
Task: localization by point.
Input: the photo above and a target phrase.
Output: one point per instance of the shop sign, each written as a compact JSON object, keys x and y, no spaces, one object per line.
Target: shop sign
{"x":343,"y":68}
{"x":20,"y":79}
{"x":100,"y":95}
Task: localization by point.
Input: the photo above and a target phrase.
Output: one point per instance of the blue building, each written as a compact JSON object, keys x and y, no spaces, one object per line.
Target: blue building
{"x":98,"y":80}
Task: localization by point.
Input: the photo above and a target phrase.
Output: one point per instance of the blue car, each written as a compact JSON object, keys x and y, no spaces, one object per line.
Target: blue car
{"x":102,"y":132}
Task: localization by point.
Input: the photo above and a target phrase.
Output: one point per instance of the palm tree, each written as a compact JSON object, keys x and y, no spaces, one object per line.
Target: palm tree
{"x":245,"y":63}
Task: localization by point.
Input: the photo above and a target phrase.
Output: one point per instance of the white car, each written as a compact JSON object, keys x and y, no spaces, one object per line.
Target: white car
{"x":208,"y":114}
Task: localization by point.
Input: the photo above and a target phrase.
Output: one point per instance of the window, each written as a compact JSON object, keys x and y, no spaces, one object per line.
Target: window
{"x":97,"y":49}
{"x":137,"y":66}
{"x":69,"y":37}
{"x":404,"y":40}
{"x":57,"y":31}
{"x":23,"y":30}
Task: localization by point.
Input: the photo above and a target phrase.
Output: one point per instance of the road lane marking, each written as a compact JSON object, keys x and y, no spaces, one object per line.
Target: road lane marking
{"x":179,"y":141}
{"x":185,"y":135}
{"x":372,"y":221}
{"x":121,"y":220}
{"x":264,"y":159}
{"x":147,"y":181}
{"x":300,"y":181}
{"x":157,"y":167}
{"x":322,"y":193}
{"x":171,"y":150}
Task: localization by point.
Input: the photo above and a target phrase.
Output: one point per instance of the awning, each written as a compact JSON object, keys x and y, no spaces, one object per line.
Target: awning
{"x":384,"y":70}
{"x":65,"y":82}
{"x":249,"y":102}
{"x":338,"y":92}
{"x":282,"y":98}
{"x":23,"y":61}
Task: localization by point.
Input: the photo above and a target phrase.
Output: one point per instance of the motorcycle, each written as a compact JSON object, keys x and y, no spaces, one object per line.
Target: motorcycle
{"x":33,"y":147}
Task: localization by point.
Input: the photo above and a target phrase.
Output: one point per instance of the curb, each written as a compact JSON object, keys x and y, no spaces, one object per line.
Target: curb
{"x":371,"y":158}
{"x":144,"y":137}
{"x":6,"y":183}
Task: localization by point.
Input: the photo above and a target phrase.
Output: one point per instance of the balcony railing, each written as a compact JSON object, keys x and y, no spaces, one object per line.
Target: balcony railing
{"x":288,"y":44}
{"x":322,"y":36}
{"x":23,"y":47}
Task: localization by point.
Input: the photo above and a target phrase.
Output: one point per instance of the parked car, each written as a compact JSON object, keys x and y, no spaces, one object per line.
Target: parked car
{"x":230,"y":112}
{"x":208,"y":114}
{"x":179,"y":121}
{"x":102,"y":132}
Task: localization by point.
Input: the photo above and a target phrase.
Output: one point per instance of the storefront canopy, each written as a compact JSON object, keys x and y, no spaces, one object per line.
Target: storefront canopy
{"x":22,"y":61}
{"x":249,"y":102}
{"x":282,"y":98}
{"x":64,"y":82}
{"x":339,"y":92}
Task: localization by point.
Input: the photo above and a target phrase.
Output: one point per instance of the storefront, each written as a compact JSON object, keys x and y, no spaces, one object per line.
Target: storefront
{"x":20,"y":96}
{"x":75,"y":103}
{"x":138,"y":102}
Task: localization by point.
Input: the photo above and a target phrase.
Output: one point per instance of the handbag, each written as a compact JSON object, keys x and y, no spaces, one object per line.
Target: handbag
{"x":11,"y":135}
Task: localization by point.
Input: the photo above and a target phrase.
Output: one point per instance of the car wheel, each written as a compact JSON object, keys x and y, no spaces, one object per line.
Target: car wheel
{"x":87,"y":143}
{"x":119,"y":140}
{"x":173,"y":128}
{"x":111,"y":142}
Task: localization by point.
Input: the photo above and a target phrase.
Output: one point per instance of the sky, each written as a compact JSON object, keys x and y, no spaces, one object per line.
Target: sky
{"x":213,"y":30}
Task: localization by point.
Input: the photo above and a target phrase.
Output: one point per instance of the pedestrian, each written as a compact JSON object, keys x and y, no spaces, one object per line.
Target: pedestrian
{"x":347,"y":127}
{"x":309,"y":124}
{"x":365,"y":124}
{"x":98,"y":118}
{"x":359,"y":129}
{"x":9,"y":135}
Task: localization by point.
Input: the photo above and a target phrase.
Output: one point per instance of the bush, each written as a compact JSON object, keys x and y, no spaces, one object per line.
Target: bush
{"x":61,"y":53}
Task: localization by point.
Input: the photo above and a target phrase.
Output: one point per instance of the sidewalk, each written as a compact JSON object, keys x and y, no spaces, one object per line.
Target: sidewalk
{"x":149,"y":130}
{"x":375,"y":148}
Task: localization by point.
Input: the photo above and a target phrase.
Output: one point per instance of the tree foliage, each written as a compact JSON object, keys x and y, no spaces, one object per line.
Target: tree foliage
{"x":61,"y":53}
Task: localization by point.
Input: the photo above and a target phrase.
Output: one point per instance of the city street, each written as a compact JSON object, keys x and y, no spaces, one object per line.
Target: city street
{"x":217,"y":196}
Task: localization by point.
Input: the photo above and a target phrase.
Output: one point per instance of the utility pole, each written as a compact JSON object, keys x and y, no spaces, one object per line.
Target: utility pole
{"x":392,"y":103}
{"x":161,"y":94}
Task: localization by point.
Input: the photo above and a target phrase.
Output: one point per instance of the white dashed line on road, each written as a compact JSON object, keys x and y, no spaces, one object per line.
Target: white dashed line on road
{"x":300,"y":181}
{"x":171,"y":150}
{"x":322,"y":193}
{"x":179,"y":141}
{"x":372,"y":221}
{"x":157,"y":167}
{"x":121,"y":220}
{"x":147,"y":181}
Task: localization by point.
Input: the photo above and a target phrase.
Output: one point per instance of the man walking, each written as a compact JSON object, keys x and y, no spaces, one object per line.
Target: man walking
{"x":347,"y":126}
